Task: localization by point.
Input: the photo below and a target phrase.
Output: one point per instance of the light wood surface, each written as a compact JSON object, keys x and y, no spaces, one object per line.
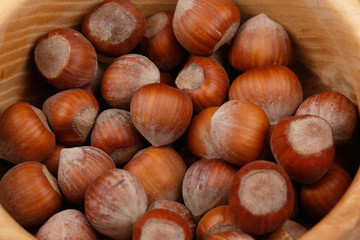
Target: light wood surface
{"x":326,"y":37}
{"x":10,"y":229}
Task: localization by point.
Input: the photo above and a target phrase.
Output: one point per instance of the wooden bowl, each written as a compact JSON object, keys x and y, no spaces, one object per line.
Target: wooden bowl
{"x":326,"y":38}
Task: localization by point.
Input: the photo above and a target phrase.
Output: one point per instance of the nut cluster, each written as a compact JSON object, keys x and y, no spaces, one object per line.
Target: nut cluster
{"x":158,"y":142}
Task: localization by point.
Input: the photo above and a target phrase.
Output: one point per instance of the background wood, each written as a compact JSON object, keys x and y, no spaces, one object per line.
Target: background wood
{"x":10,"y":229}
{"x":326,"y":37}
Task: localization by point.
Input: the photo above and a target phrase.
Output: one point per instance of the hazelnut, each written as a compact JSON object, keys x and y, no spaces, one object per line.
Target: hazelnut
{"x":78,"y":168}
{"x":126,"y":75}
{"x":335,"y":108}
{"x":114,"y":202}
{"x":206,"y":185}
{"x":161,"y":113}
{"x":161,"y":224}
{"x":25,"y":134}
{"x":30,"y":193}
{"x":160,"y":43}
{"x":317,"y":199}
{"x":304,"y":147}
{"x":197,"y":137}
{"x":230,"y":235}
{"x":114,"y":27}
{"x":115,"y":134}
{"x":216,"y":220}
{"x":71,"y":115}
{"x":161,"y":171}
{"x":205,"y":81}
{"x":274,"y":88}
{"x":260,"y":41}
{"x":290,"y":230}
{"x":69,"y":224}
{"x":65,"y":58}
{"x":261,"y":197}
{"x":176,"y":207}
{"x":239,"y":131}
{"x":203,"y":26}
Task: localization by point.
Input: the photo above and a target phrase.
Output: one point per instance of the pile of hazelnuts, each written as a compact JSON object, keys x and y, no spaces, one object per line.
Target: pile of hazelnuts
{"x":147,"y":137}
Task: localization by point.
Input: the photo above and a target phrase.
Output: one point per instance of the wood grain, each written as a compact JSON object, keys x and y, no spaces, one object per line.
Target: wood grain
{"x":326,"y":37}
{"x":10,"y":229}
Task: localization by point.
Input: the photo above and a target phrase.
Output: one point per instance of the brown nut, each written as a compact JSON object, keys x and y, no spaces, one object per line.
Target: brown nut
{"x":115,"y":134}
{"x":239,"y":131}
{"x":161,"y":171}
{"x":197,"y":137}
{"x":258,"y":42}
{"x":335,"y":108}
{"x":203,"y":26}
{"x":114,"y":202}
{"x":161,"y":224}
{"x":30,"y":193}
{"x":69,"y":224}
{"x":304,"y":147}
{"x":261,"y":197}
{"x":126,"y":75}
{"x":216,"y":220}
{"x":274,"y":88}
{"x":25,"y":134}
{"x":78,"y":168}
{"x":114,"y":27}
{"x":206,"y":185}
{"x":205,"y":81}
{"x":176,"y":207}
{"x":160,"y":43}
{"x":161,"y":113}
{"x":71,"y":115}
{"x":65,"y":58}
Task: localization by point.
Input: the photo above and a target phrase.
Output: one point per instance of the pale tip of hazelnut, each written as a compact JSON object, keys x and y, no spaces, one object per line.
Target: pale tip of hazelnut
{"x":310,"y":135}
{"x":191,"y":77}
{"x":51,"y":179}
{"x":155,"y":24}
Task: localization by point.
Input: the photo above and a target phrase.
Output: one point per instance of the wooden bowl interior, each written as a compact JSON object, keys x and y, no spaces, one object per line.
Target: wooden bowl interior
{"x":326,"y":44}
